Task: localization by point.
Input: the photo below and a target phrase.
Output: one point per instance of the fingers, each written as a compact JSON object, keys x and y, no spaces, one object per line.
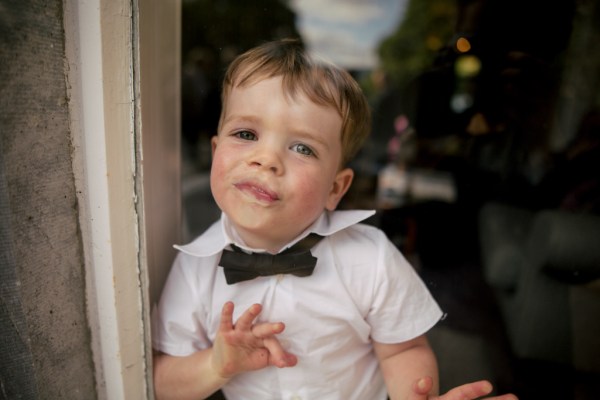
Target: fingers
{"x":267,"y":329}
{"x":247,"y":319}
{"x":471,"y":390}
{"x":474,"y":390}
{"x":244,"y":322}
{"x":259,"y":334}
{"x":226,"y":323}
{"x":477,"y":389}
{"x":279,"y":357}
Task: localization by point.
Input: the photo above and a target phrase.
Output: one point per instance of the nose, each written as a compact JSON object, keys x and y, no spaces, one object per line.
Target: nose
{"x":268,"y":157}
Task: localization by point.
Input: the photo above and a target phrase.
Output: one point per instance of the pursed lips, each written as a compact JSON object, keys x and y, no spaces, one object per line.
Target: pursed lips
{"x":258,"y":191}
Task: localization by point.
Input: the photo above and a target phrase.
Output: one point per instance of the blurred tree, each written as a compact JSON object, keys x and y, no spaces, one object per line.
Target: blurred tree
{"x":427,"y":28}
{"x":213,"y":33}
{"x":234,"y":26}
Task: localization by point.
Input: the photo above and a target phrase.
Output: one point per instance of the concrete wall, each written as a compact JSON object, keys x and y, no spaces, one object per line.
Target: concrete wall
{"x":46,"y":351}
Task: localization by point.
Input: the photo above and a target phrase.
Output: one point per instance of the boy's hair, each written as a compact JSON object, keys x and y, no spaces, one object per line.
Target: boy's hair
{"x":322,"y":82}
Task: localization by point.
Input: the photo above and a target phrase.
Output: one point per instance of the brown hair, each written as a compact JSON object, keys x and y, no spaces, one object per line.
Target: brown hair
{"x":322,"y":82}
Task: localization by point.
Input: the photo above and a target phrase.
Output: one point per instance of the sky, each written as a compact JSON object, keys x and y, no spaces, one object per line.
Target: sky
{"x":347,"y":32}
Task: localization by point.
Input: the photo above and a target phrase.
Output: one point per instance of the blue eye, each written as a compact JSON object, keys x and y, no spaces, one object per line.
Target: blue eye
{"x":246,"y":135}
{"x":303,"y":149}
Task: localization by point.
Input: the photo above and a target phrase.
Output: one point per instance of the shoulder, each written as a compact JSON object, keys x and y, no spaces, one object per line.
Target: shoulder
{"x":363,"y":249}
{"x":361,"y":239}
{"x":366,"y":250}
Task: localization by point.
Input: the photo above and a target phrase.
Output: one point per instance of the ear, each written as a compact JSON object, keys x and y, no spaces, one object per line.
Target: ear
{"x":341,"y":184}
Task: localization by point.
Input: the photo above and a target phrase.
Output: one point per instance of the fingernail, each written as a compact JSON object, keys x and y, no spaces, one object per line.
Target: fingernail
{"x":290,"y":360}
{"x":488,"y":387}
{"x":284,"y":363}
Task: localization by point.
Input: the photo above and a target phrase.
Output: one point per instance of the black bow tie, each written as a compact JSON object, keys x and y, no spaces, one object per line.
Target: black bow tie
{"x":297,"y":260}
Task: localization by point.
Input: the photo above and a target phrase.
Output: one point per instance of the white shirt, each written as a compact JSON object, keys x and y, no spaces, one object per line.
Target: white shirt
{"x":362,"y":289}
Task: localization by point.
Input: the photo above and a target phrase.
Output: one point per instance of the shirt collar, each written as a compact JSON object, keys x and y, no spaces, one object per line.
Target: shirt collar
{"x":221,"y":233}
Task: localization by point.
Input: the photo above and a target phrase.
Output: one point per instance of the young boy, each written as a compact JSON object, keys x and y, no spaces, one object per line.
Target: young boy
{"x":351,"y":328}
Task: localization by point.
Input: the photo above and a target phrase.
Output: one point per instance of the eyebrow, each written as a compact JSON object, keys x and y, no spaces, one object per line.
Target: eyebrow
{"x":242,"y":118}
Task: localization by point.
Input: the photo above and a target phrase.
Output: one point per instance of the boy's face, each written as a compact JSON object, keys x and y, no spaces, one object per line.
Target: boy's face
{"x":276,"y":163}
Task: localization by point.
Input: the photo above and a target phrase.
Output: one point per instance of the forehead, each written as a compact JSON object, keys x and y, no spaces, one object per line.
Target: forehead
{"x":314,"y":82}
{"x":269,"y":95}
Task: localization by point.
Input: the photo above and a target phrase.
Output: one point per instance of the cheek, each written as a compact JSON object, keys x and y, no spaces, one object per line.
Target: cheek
{"x":217,"y":174}
{"x":223,"y":157}
{"x":312,"y":192}
{"x":216,"y":167}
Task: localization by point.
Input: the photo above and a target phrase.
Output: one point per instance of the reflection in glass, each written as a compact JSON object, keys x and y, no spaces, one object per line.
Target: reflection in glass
{"x":485,"y":140}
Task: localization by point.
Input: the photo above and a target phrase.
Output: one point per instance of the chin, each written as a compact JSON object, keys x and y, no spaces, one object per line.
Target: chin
{"x":249,"y":221}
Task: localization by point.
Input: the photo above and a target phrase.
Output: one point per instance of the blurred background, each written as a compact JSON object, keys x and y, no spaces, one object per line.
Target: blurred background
{"x":483,"y":163}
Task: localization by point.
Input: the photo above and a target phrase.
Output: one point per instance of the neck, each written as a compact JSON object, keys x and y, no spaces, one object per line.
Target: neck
{"x":257,"y":241}
{"x":272,"y":241}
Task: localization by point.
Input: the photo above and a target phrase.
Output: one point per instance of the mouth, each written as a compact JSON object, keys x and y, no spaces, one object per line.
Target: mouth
{"x":257,"y":191}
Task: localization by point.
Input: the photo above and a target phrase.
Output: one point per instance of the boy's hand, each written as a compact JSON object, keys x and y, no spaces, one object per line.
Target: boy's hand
{"x":474,"y":390}
{"x":245,"y":346}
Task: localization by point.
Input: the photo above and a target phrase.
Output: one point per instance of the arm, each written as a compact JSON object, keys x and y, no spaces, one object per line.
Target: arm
{"x":190,"y":377}
{"x":410,"y":372}
{"x":240,"y":347}
{"x":402,"y":364}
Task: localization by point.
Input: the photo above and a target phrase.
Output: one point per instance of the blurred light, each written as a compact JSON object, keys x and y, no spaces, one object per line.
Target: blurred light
{"x":463,"y":45}
{"x":433,"y":43}
{"x":461,"y":102}
{"x":467,"y":66}
{"x":478,"y":125}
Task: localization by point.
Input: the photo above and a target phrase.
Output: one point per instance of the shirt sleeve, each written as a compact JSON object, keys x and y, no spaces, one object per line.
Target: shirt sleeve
{"x":176,"y":327}
{"x":402,"y":307}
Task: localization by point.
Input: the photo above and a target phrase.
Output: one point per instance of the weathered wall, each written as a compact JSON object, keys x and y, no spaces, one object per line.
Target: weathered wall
{"x":45,"y":341}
